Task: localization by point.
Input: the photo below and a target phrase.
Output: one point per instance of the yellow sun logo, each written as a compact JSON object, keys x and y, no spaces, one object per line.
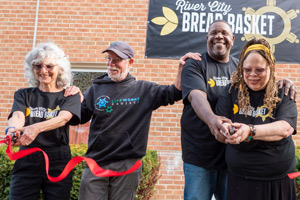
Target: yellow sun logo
{"x":263,"y":117}
{"x":286,"y":17}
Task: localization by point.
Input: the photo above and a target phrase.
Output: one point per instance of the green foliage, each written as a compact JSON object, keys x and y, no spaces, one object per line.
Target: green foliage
{"x":150,"y":176}
{"x":77,"y":150}
{"x":6,"y":166}
{"x":297,"y":169}
{"x":151,"y":163}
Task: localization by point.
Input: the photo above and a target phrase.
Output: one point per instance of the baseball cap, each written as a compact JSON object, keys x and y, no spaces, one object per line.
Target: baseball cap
{"x":122,"y":49}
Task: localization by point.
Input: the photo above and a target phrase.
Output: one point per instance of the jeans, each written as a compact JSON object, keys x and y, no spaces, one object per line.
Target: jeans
{"x":202,"y":184}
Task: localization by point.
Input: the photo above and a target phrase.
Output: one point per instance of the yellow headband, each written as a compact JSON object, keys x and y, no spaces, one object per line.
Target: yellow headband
{"x":259,"y":47}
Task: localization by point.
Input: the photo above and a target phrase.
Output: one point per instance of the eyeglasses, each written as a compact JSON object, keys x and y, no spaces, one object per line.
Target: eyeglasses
{"x":257,"y":71}
{"x":113,"y":61}
{"x":39,"y":67}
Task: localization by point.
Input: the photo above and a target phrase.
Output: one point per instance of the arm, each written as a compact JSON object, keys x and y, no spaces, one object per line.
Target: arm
{"x":31,"y":132}
{"x":201,"y":106}
{"x":16,"y":122}
{"x":177,"y":81}
{"x":195,"y":56}
{"x":274,"y":131}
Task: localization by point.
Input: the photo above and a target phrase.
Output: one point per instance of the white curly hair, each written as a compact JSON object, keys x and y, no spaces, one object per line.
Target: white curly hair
{"x":39,"y":54}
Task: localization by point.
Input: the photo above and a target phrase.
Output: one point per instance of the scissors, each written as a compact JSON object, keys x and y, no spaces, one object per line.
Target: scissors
{"x":232,"y":130}
{"x":13,"y":137}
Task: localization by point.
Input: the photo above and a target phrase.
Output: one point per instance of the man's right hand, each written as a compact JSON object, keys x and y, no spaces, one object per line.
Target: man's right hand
{"x":195,"y":56}
{"x":217,"y":129}
{"x":72,"y":90}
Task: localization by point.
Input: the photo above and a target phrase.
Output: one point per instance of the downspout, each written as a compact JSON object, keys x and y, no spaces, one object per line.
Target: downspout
{"x":36,"y":22}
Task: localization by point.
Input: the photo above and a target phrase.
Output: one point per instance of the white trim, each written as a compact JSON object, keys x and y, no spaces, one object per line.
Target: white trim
{"x":88,"y":70}
{"x":36,"y":23}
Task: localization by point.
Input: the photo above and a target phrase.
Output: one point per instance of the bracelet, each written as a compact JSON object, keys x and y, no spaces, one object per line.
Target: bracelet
{"x":6,"y":130}
{"x":252,"y":130}
{"x":251,"y":134}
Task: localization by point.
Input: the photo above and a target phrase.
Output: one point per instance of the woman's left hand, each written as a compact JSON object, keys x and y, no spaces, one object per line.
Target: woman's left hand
{"x":29,"y":133}
{"x":241,"y":133}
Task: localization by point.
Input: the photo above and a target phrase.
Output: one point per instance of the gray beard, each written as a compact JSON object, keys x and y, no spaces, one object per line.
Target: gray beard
{"x":220,"y":54}
{"x":117,"y":77}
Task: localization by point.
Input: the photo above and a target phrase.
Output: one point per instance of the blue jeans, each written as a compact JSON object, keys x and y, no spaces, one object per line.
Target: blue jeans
{"x":202,"y":184}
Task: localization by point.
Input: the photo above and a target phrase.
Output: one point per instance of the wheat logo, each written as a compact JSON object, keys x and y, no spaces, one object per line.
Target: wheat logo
{"x":169,"y":21}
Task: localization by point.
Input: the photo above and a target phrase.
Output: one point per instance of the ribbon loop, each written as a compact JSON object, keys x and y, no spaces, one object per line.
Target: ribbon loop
{"x":95,"y":168}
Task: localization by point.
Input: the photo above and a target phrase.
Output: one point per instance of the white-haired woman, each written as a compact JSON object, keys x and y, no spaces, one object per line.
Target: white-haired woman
{"x":40,"y":117}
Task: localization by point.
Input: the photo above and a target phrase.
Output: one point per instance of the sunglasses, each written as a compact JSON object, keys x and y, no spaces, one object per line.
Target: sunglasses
{"x":39,"y":67}
{"x":257,"y":71}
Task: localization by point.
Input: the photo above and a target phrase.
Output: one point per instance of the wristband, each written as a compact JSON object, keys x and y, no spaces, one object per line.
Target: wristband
{"x":251,"y":134}
{"x":6,"y":130}
{"x":252,"y":130}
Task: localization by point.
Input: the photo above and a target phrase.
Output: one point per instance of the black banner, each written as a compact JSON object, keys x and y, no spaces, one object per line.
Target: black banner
{"x":176,"y":27}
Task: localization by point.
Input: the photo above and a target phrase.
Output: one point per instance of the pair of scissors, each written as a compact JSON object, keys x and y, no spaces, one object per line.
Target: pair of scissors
{"x":14,"y":138}
{"x":232,"y":130}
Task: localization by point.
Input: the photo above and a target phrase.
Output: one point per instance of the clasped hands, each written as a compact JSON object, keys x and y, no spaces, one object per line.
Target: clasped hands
{"x":235,"y":133}
{"x":227,"y":132}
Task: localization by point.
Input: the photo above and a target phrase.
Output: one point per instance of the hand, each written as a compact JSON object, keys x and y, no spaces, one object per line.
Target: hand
{"x":289,"y":86}
{"x":217,"y":129}
{"x":228,"y":127}
{"x":241,"y":133}
{"x":29,"y":134}
{"x":72,"y":90}
{"x":195,"y":56}
{"x":15,"y":135}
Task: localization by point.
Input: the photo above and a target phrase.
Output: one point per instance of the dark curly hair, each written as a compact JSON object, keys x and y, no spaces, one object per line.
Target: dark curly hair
{"x":271,"y":92}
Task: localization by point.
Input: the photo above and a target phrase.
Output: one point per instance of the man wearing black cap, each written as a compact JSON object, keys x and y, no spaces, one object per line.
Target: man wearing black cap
{"x":120,"y":109}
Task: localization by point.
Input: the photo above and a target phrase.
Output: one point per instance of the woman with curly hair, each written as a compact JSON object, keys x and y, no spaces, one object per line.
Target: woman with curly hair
{"x":261,"y":151}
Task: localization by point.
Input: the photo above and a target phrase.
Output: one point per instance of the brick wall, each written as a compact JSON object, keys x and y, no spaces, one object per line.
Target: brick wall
{"x":83,"y":28}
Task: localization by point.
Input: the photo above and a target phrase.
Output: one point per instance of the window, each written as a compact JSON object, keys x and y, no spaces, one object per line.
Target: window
{"x":84,"y":73}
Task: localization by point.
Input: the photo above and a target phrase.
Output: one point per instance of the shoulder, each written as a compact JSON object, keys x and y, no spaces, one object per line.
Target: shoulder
{"x":282,"y":96}
{"x":285,"y":99}
{"x":234,"y":60}
{"x":195,"y":65}
{"x":144,"y":83}
{"x":281,"y":93}
{"x":29,"y":89}
{"x":25,"y":91}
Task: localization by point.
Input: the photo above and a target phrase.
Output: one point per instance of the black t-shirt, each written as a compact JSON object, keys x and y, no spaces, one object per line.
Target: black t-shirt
{"x":259,"y":160}
{"x":199,"y":147}
{"x":39,"y":106}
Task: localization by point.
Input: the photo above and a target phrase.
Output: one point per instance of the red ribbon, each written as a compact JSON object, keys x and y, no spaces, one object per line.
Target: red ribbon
{"x":94,"y":167}
{"x":294,"y":175}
